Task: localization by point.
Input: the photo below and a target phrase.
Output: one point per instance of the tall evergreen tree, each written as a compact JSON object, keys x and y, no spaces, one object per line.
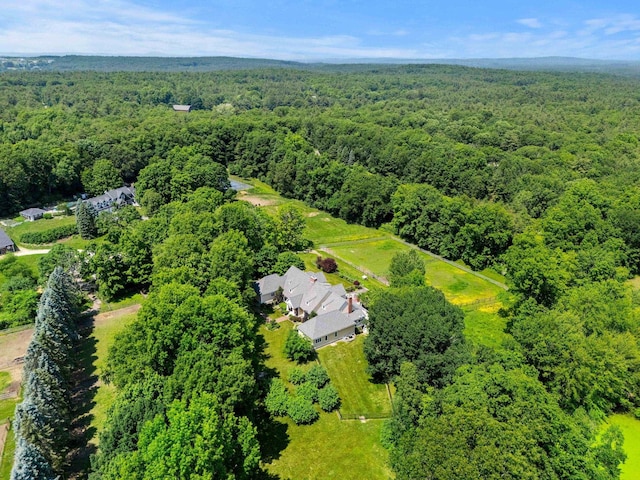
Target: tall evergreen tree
{"x":86,"y":220}
{"x":42,"y":420}
{"x":36,"y":426}
{"x":30,"y":463}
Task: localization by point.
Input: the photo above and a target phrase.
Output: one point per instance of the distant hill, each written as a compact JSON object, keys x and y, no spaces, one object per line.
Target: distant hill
{"x":209,"y":64}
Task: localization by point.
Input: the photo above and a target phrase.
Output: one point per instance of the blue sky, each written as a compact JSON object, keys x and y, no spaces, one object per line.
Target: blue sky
{"x":323,"y":29}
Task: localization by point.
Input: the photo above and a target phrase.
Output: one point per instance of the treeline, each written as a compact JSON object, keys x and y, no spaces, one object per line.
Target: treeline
{"x":525,"y":410}
{"x":43,"y":419}
{"x":496,"y":145}
{"x":190,"y":366}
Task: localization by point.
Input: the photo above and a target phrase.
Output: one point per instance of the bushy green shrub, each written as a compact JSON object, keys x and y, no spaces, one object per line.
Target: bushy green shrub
{"x":328,"y":398}
{"x":317,"y":376}
{"x":309,"y":391}
{"x":301,"y":410}
{"x":296,"y":376}
{"x":297,"y":348}
{"x":48,"y":236}
{"x":277,"y":399}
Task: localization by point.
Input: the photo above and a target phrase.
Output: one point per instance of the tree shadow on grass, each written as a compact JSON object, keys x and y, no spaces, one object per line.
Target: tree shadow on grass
{"x":85,"y":387}
{"x":272,"y":434}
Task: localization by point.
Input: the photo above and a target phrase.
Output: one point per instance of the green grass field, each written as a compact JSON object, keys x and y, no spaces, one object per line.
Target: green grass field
{"x":104,"y":334}
{"x":133,"y":299}
{"x":39,"y":226}
{"x":7,"y":407}
{"x":630,"y":427}
{"x":355,"y":451}
{"x":333,"y":449}
{"x":482,"y":325}
{"x":347,"y":366}
{"x":344,"y":270}
{"x":5,"y":380}
{"x":7,"y":456}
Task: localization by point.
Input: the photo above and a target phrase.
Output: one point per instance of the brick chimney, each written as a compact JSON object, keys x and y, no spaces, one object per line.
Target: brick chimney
{"x":350,"y":305}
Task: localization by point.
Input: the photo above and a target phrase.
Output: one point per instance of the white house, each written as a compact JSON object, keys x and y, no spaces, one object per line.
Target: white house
{"x":328,"y":313}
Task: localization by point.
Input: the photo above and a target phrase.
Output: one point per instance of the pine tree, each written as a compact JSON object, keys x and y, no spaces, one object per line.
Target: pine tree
{"x":42,"y":420}
{"x":86,"y":220}
{"x":48,"y":392}
{"x":34,"y":426}
{"x":30,"y":464}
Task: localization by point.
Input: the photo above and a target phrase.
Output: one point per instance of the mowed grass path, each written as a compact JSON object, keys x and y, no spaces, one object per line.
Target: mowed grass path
{"x":330,"y":448}
{"x":346,"y":365}
{"x":104,"y":333}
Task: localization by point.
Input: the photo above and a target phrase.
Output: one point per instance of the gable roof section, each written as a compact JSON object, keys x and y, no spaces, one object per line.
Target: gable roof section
{"x":32,"y":211}
{"x":326,"y":324}
{"x":269,"y":284}
{"x":114,"y":196}
{"x":5,"y":241}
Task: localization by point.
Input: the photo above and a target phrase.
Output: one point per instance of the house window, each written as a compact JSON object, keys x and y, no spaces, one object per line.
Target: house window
{"x":336,"y":334}
{"x":318,"y":340}
{"x":326,"y":338}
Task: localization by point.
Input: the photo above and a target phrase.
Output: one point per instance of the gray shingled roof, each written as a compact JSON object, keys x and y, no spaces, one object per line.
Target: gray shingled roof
{"x":269,"y":284}
{"x":325,"y":324}
{"x":5,"y":241}
{"x":113,"y":195}
{"x":33,"y":211}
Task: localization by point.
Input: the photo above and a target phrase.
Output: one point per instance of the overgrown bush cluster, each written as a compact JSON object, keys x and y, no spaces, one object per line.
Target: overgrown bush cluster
{"x":48,"y":236}
{"x":310,"y":388}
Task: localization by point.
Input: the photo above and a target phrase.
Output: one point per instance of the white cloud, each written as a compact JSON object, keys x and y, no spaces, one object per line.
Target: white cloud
{"x":122,"y":27}
{"x":530,"y":22}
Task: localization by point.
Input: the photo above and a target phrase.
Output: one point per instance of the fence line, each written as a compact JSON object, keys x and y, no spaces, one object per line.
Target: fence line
{"x":480,"y":301}
{"x":362,"y":416}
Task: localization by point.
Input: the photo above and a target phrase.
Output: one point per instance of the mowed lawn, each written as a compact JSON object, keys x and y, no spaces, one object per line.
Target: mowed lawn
{"x":630,"y":427}
{"x":330,"y":448}
{"x":347,"y":368}
{"x":104,"y":333}
{"x":39,"y":226}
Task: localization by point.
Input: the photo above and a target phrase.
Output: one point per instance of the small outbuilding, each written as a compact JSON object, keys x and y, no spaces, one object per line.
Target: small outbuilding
{"x":182,"y":108}
{"x":6,"y":244}
{"x":32,"y":214}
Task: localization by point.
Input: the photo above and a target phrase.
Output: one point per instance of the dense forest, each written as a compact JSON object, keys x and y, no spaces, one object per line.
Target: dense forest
{"x":532,"y":174}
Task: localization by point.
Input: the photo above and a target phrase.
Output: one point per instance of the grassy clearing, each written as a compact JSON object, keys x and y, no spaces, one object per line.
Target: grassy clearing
{"x":333,"y":449}
{"x":5,"y":380}
{"x":375,"y":255}
{"x":104,"y":334}
{"x":133,"y":299}
{"x":329,"y":448}
{"x":483,"y":325}
{"x":7,"y":456}
{"x":38,"y":226}
{"x":7,"y":408}
{"x":41,"y":225}
{"x":324,"y":229}
{"x":347,"y":366}
{"x":344,"y":270}
{"x":630,"y":427}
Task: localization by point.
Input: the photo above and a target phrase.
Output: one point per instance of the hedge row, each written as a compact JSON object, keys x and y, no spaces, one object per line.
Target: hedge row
{"x":49,"y":236}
